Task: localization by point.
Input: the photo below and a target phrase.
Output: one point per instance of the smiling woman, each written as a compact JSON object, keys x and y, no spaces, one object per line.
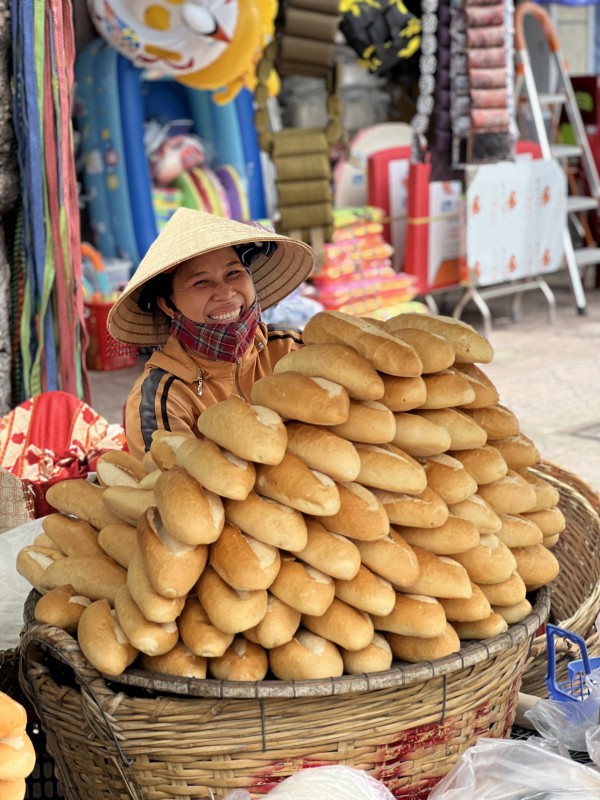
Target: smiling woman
{"x":198,"y":293}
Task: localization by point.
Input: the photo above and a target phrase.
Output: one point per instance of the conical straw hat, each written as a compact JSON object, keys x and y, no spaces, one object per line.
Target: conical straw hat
{"x":190,"y":233}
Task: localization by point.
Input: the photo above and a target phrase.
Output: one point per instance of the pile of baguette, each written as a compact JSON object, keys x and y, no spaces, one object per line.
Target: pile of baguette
{"x":17,"y":754}
{"x":373,"y":500}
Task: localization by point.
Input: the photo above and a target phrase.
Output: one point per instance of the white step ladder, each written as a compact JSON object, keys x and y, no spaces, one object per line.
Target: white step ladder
{"x":560,"y":97}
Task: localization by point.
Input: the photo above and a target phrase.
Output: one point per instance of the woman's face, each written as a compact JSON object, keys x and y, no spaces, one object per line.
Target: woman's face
{"x":212,"y":288}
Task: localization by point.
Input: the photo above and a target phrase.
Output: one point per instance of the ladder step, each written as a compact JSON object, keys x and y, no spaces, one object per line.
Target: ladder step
{"x":565,"y":150}
{"x":552,"y":98}
{"x":587,"y":256}
{"x":578,"y":203}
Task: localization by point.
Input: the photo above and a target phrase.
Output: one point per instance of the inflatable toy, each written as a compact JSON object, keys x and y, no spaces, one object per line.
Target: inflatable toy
{"x":206,"y":44}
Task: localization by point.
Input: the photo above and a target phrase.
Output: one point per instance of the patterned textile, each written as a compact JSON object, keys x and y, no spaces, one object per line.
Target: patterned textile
{"x":52,"y":437}
{"x":219,"y":342}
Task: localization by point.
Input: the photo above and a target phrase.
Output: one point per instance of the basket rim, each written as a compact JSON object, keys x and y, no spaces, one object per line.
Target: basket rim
{"x":67,"y":648}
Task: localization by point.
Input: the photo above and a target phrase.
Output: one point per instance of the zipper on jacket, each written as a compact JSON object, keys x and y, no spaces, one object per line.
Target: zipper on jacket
{"x":236,"y":377}
{"x":202,"y":376}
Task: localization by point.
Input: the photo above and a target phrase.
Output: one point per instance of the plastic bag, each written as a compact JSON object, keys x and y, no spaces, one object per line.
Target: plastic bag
{"x":568,"y":721}
{"x":514,"y":769}
{"x":325,"y":783}
{"x":14,"y":587}
{"x":592,"y":741}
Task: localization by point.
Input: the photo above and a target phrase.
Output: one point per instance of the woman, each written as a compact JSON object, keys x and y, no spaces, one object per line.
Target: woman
{"x":199,"y":292}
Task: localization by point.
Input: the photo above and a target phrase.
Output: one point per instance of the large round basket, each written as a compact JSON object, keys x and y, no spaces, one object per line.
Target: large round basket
{"x":140,"y":738}
{"x":576,"y":590}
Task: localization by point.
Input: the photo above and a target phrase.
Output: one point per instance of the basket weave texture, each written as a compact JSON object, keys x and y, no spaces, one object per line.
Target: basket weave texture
{"x":576,"y":589}
{"x":406,"y":726}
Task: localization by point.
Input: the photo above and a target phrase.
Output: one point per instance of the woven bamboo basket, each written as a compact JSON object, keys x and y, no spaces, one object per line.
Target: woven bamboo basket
{"x":160,"y":738}
{"x":576,"y":590}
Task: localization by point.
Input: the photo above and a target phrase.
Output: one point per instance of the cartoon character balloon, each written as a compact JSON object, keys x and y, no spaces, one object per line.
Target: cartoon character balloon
{"x":206,"y":44}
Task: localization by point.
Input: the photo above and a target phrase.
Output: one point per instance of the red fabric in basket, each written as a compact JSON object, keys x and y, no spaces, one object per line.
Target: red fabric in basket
{"x":52,"y":437}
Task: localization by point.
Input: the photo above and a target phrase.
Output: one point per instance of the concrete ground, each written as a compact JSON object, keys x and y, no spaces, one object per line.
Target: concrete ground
{"x":547,"y":374}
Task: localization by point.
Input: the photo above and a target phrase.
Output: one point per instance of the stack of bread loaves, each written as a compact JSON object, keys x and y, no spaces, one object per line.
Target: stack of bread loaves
{"x":373,"y":500}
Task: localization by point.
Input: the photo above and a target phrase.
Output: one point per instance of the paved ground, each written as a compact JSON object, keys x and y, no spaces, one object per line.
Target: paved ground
{"x":547,"y":374}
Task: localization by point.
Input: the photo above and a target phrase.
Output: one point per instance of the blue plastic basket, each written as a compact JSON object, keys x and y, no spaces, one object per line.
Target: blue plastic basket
{"x":575,"y":687}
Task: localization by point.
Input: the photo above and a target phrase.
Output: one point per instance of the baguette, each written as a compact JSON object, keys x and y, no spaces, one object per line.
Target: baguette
{"x":337,"y":363}
{"x":198,"y":633}
{"x":391,"y":469}
{"x":536,"y":565}
{"x":484,"y":464}
{"x":446,"y":389}
{"x":491,"y":561}
{"x":367,"y":591}
{"x":518,"y":451}
{"x":416,"y":648}
{"x":343,"y":625}
{"x":189,"y":513}
{"x":497,"y":421}
{"x":79,"y":498}
{"x":119,"y":541}
{"x":361,"y":515}
{"x":464,"y":432}
{"x":550,"y":521}
{"x":454,"y":536}
{"x":368,"y":421}
{"x":434,"y":351}
{"x":245,"y":563}
{"x":403,"y":394}
{"x":307,"y":656}
{"x":61,"y":607}
{"x":94,"y":578}
{"x":294,"y":484}
{"x":468,"y":345}
{"x":547,"y":495}
{"x":375,"y":657}
{"x":215,"y":469}
{"x":179,"y":661}
{"x":518,"y":531}
{"x":13,"y":717}
{"x":268,"y":521}
{"x":251,"y":432}
{"x":514,"y":613}
{"x":419,"y":437}
{"x":413,"y":615}
{"x":486,"y":393}
{"x":476,"y":510}
{"x":322,"y":450}
{"x":303,"y":587}
{"x":73,"y":537}
{"x":440,"y":576}
{"x":172,"y":566}
{"x":151,"y":638}
{"x":509,"y":495}
{"x":228,"y":609}
{"x":118,"y":468}
{"x":103,"y":641}
{"x":505,"y":593}
{"x":294,"y":396}
{"x":164,"y":446}
{"x":386,"y":352}
{"x":153,"y":605}
{"x":277,"y":627}
{"x":32,"y":562}
{"x":426,"y":510}
{"x":392,"y":558}
{"x":493,"y":625}
{"x":242,"y":661}
{"x":448,"y":478}
{"x":128,"y":503}
{"x":331,"y":553}
{"x":467,"y":609}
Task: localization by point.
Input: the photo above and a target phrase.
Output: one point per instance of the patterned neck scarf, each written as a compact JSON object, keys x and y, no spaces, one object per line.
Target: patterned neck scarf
{"x":218,"y":342}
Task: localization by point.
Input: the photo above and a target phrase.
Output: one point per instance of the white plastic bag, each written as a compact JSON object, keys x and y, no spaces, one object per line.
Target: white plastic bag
{"x":516,"y":769}
{"x":568,"y":721}
{"x":14,"y":587}
{"x":325,"y":783}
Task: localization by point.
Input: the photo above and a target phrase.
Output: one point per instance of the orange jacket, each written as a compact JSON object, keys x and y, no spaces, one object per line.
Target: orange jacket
{"x":177,"y":384}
